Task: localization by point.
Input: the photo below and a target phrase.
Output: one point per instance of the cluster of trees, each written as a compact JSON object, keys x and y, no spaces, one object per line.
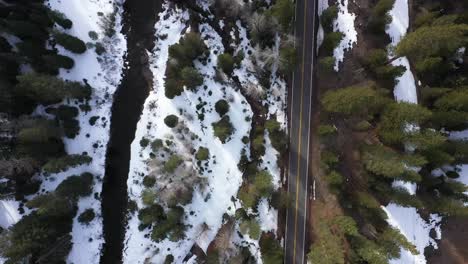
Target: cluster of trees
{"x":331,"y":39}
{"x":31,"y":144}
{"x":403,"y":141}
{"x":181,"y":71}
{"x":43,"y":236}
{"x":163,"y":224}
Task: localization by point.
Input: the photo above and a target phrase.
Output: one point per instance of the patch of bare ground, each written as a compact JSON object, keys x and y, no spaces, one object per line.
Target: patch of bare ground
{"x":351,"y":72}
{"x":452,"y":246}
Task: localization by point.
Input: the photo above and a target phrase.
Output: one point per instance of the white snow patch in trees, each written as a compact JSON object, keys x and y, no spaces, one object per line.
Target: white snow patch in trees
{"x":405,"y":89}
{"x":103,"y":74}
{"x":268,"y":216}
{"x":9,"y":214}
{"x":415,"y":229}
{"x":407,"y":220}
{"x":322,"y":5}
{"x":345,"y":24}
{"x":459,"y":135}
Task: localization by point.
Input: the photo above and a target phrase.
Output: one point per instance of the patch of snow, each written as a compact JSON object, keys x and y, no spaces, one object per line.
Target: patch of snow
{"x":9,"y":214}
{"x":322,"y":5}
{"x":415,"y":229}
{"x":405,"y":89}
{"x":268,"y":217}
{"x":344,"y":23}
{"x":459,"y":135}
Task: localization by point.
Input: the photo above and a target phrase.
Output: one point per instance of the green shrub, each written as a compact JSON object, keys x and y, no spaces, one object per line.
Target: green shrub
{"x":70,"y":42}
{"x":279,"y":139}
{"x":172,"y":227}
{"x":283,"y":12}
{"x":222,"y":107}
{"x":71,"y":127}
{"x":144,"y":142}
{"x":151,"y":214}
{"x":287,"y":58}
{"x":191,"y":77}
{"x":63,"y":163}
{"x":271,"y":250}
{"x":58,"y":61}
{"x":87,"y":216}
{"x":325,"y":130}
{"x":173,"y":88}
{"x":76,"y":186}
{"x":169,"y":259}
{"x":148,"y":197}
{"x":248,"y":196}
{"x":99,"y":48}
{"x":327,"y":64}
{"x":334,"y":178}
{"x":172,"y":163}
{"x":223,"y":129}
{"x":93,"y":35}
{"x":47,"y":90}
{"x":362,"y":101}
{"x":330,"y":42}
{"x":366,"y":200}
{"x":156,"y":145}
{"x":24,"y":29}
{"x":379,"y":17}
{"x":190,"y":47}
{"x":60,"y":18}
{"x":250,"y":227}
{"x":65,"y":112}
{"x":362,"y":126}
{"x":263,"y":183}
{"x":41,"y":139}
{"x":202,"y":154}
{"x":226,"y":63}
{"x":171,"y":121}
{"x":149,"y":181}
{"x":328,"y":17}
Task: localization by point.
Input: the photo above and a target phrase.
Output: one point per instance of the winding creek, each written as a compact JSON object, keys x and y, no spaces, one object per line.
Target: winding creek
{"x":139,"y":19}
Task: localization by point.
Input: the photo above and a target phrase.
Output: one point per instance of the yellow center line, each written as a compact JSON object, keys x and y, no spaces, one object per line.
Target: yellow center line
{"x":300,"y":130}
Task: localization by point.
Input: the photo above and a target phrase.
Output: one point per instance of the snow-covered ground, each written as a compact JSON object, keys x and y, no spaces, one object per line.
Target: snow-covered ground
{"x":345,"y":24}
{"x":223,"y":178}
{"x":214,"y":198}
{"x":103,"y":74}
{"x":415,"y":229}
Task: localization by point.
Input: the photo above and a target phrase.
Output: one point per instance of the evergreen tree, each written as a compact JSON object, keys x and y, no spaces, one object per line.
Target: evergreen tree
{"x":355,"y":100}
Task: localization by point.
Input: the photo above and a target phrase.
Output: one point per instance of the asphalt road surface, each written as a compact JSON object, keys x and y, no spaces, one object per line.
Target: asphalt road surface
{"x":301,"y":100}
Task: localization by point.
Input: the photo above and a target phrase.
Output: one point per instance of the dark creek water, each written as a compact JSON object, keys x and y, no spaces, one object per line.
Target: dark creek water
{"x":139,"y":19}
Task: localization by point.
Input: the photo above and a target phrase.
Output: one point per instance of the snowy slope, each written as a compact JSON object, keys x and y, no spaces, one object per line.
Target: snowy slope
{"x":103,"y":74}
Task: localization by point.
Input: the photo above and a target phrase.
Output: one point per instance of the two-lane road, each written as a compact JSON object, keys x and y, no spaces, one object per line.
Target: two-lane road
{"x":300,"y":109}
